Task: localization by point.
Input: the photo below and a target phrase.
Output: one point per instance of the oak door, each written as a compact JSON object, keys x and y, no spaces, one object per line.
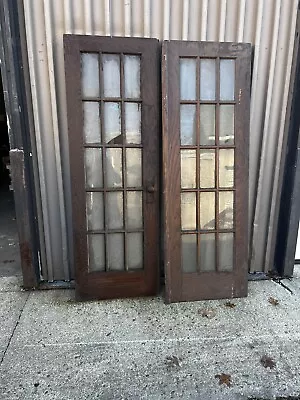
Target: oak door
{"x":113,"y":123}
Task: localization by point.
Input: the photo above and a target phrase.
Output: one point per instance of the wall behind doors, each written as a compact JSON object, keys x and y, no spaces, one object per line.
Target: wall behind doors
{"x":268,"y":25}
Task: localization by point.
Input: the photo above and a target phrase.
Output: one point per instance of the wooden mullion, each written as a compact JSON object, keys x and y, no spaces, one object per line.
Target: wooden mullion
{"x":198,"y":133}
{"x":217,"y":135}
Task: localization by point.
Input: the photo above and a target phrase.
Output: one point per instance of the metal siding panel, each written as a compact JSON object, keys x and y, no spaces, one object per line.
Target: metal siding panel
{"x":253,"y":21}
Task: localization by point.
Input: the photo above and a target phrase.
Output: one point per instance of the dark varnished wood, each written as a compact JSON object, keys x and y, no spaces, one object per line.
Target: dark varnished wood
{"x":104,"y":285}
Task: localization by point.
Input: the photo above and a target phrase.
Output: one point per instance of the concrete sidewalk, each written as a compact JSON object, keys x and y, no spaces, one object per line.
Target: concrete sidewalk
{"x":54,"y":348}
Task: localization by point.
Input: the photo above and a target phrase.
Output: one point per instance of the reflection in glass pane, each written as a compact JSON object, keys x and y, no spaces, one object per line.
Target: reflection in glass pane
{"x":134,"y":250}
{"x":189,"y":253}
{"x":115,"y":251}
{"x":91,"y":122}
{"x":93,"y":168}
{"x":207,"y":79}
{"x":114,"y":174}
{"x":188,"y":168}
{"x":207,"y":168}
{"x":226,"y":168}
{"x":133,"y":123}
{"x":96,"y":253}
{"x":225,"y":210}
{"x":94,"y":211}
{"x":111,"y":75}
{"x":134,"y":167}
{"x":90,"y":75}
{"x":227,"y":73}
{"x":225,"y":251}
{"x":188,"y":125}
{"x":207,"y":124}
{"x":112,"y":123}
{"x":114,"y":210}
{"x":207,"y":252}
{"x":226,"y":124}
{"x":188,"y":211}
{"x":188,"y":79}
{"x":134,"y":210}
{"x":207,"y":210}
{"x":132,"y":76}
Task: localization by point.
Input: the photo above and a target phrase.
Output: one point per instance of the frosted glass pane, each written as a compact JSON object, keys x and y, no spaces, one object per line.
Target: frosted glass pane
{"x":188,"y":125}
{"x":134,"y":250}
{"x":91,"y":122}
{"x":207,"y":252}
{"x":93,"y":168}
{"x":94,"y":211}
{"x":227,"y":76}
{"x":225,"y":210}
{"x":207,"y":168}
{"x":189,"y":253}
{"x":134,"y":167}
{"x":207,"y":210}
{"x":226,"y":124}
{"x":112,"y":123}
{"x":114,"y":210}
{"x":207,"y":124}
{"x":132,"y":76}
{"x":207,"y":79}
{"x":114,"y":168}
{"x":96,"y":253}
{"x":188,"y":211}
{"x":111,"y":75}
{"x":188,"y":78}
{"x":225,"y":252}
{"x":90,"y":75}
{"x":188,"y":168}
{"x":133,"y":123}
{"x":226,"y":168}
{"x":134,"y":210}
{"x":115,"y":251}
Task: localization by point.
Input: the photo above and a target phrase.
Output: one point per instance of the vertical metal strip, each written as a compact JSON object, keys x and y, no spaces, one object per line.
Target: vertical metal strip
{"x":185,"y":20}
{"x":147,"y":18}
{"x":127,"y":18}
{"x":241,"y":23}
{"x":167,"y":11}
{"x":107,"y":12}
{"x":204,"y":13}
{"x":222,"y":21}
{"x":88,"y":17}
{"x":68,"y":16}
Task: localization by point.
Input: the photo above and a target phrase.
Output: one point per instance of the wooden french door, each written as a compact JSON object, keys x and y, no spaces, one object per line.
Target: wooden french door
{"x":113,"y":122}
{"x":206,"y":91}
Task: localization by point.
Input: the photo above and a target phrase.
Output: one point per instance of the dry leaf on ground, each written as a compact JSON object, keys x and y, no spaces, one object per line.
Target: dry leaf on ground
{"x":224,"y":379}
{"x":229,"y":304}
{"x":273,"y":301}
{"x":208,"y":312}
{"x":267,"y":362}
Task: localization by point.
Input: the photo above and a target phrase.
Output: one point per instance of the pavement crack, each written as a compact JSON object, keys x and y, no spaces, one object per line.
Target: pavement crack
{"x":14,"y":329}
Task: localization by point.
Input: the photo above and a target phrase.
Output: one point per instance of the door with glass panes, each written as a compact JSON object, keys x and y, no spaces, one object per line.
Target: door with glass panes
{"x":206,"y":94}
{"x":113,"y":122}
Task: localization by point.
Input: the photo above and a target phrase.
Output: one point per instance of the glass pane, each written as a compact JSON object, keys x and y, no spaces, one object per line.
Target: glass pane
{"x":132,"y":76}
{"x":207,"y":124}
{"x":188,"y":78}
{"x":115,"y":251}
{"x":134,"y":210}
{"x":114,"y":210}
{"x":96,"y":252}
{"x":91,"y":122}
{"x":188,"y":211}
{"x":226,"y":168}
{"x":226,"y":124}
{"x":135,"y":250}
{"x":225,"y":210}
{"x":207,"y":168}
{"x":207,"y":210}
{"x":133,"y":122}
{"x":207,"y":79}
{"x":114,"y":177}
{"x":111,"y":75}
{"x":94,"y":211}
{"x":134,"y":167}
{"x":112,"y":123}
{"x":207,"y":252}
{"x":227,"y":72}
{"x":189,"y":253}
{"x":93,"y":168}
{"x":188,"y":125}
{"x":188,"y":168}
{"x":90,"y":75}
{"x":225,"y":251}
